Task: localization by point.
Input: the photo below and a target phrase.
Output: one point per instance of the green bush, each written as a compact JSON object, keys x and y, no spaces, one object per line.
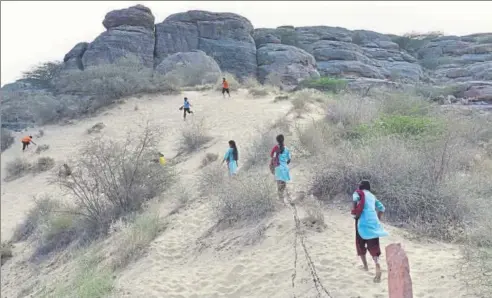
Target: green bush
{"x":407,"y":125}
{"x":326,"y":84}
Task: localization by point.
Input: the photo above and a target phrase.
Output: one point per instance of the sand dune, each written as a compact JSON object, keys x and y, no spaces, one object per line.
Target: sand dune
{"x":252,"y":261}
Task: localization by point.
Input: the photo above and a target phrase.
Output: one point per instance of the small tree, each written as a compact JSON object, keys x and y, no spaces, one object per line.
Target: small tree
{"x":42,"y":75}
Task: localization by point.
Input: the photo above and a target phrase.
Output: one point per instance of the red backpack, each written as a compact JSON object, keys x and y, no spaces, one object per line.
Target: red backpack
{"x":357,"y":211}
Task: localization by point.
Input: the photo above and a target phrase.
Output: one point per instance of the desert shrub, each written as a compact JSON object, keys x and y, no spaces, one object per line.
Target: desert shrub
{"x":136,"y":238}
{"x":211,"y":179}
{"x":5,"y":252}
{"x":57,"y":230}
{"x":245,"y":198}
{"x":24,"y":108}
{"x":113,"y":179}
{"x":96,"y":128}
{"x":107,"y":82}
{"x":193,"y":135}
{"x":258,"y":153}
{"x":17,"y":168}
{"x":42,"y":75}
{"x":209,"y":158}
{"x":351,"y":111}
{"x":7,"y":139}
{"x":90,"y":280}
{"x":43,"y":164}
{"x":42,"y":148}
{"x":42,"y":209}
{"x":325,"y":84}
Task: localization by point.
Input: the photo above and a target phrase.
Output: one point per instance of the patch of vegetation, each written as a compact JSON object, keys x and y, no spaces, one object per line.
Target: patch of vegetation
{"x":6,"y":139}
{"x":325,"y":84}
{"x":42,"y":76}
{"x":5,"y":252}
{"x":193,"y":136}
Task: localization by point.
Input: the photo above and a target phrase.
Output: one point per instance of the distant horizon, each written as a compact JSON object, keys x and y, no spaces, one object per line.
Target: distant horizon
{"x":34,"y":32}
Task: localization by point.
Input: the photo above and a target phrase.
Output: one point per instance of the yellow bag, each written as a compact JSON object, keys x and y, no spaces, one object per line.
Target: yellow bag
{"x":162,"y":160}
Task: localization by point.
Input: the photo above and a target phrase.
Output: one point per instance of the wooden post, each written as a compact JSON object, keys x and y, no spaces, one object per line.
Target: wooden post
{"x":399,"y":280}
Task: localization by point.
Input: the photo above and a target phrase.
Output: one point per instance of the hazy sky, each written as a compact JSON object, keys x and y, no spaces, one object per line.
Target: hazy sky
{"x":38,"y":31}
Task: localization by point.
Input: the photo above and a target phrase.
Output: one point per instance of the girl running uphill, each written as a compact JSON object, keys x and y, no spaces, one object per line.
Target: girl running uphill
{"x":279,"y":165}
{"x":186,"y":108}
{"x":367,"y":211}
{"x":231,"y":157}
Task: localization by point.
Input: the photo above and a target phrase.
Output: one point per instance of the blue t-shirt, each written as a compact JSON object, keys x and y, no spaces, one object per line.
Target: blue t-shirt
{"x":186,"y":104}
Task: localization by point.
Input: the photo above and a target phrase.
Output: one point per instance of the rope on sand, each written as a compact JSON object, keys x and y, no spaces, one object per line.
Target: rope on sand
{"x":320,"y":288}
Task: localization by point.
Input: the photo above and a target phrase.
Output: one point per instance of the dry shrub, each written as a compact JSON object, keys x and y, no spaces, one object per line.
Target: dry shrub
{"x":193,"y":135}
{"x":258,"y":153}
{"x":136,"y":238}
{"x":43,"y":206}
{"x":113,"y":179}
{"x":108,"y":82}
{"x":211,"y":179}
{"x":42,"y":148}
{"x":17,"y":168}
{"x":43,"y":164}
{"x":6,"y":139}
{"x":5,"y":252}
{"x":209,"y":158}
{"x":314,"y":212}
{"x":96,"y":128}
{"x":258,"y":90}
{"x":245,"y":198}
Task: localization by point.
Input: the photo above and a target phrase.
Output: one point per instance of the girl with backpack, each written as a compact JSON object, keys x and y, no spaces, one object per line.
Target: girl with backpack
{"x":231,"y":157}
{"x":279,"y":165}
{"x":367,"y":211}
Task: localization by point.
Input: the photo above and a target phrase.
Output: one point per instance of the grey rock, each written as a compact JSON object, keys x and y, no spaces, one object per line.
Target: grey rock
{"x":291,"y":64}
{"x":265,"y":36}
{"x":226,"y":37}
{"x":191,"y":68}
{"x":173,"y":37}
{"x":119,"y":42}
{"x":138,"y":15}
{"x":404,"y":71}
{"x":73,"y":59}
{"x":348,"y":69}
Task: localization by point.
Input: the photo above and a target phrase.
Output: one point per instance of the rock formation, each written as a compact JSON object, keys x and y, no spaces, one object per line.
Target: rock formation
{"x":292,"y":54}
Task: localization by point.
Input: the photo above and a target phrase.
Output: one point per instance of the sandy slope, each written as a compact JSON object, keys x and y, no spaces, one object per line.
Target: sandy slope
{"x":254,"y":261}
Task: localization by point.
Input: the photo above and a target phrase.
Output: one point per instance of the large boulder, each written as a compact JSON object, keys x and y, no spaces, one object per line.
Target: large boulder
{"x":352,"y":69}
{"x":138,"y":16}
{"x":130,"y":32}
{"x":190,"y":68}
{"x":226,"y":37}
{"x":117,"y":43}
{"x":73,"y":59}
{"x":289,"y":63}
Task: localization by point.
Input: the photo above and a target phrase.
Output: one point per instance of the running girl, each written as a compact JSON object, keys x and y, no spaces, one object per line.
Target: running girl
{"x":186,"y":108}
{"x":231,"y":157}
{"x":367,"y":211}
{"x":225,"y":87}
{"x":279,"y":165}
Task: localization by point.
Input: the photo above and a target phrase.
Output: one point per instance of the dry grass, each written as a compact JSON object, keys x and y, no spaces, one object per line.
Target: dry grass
{"x":6,"y":139}
{"x":194,"y":135}
{"x":209,"y":158}
{"x":247,"y":198}
{"x":136,"y":238}
{"x":42,"y":148}
{"x":5,"y":252}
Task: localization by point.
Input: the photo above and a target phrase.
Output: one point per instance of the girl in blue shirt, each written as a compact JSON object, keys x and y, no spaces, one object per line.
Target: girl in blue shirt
{"x":231,"y":157}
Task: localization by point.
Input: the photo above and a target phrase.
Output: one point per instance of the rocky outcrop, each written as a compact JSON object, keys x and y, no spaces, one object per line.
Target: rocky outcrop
{"x":226,"y":37}
{"x":73,"y":59}
{"x":190,"y":68}
{"x":130,"y":32}
{"x":344,"y":53}
{"x":290,"y":64}
{"x":292,"y":53}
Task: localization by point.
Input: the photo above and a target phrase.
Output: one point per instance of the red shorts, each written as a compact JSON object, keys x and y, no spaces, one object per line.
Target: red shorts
{"x":363,"y":245}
